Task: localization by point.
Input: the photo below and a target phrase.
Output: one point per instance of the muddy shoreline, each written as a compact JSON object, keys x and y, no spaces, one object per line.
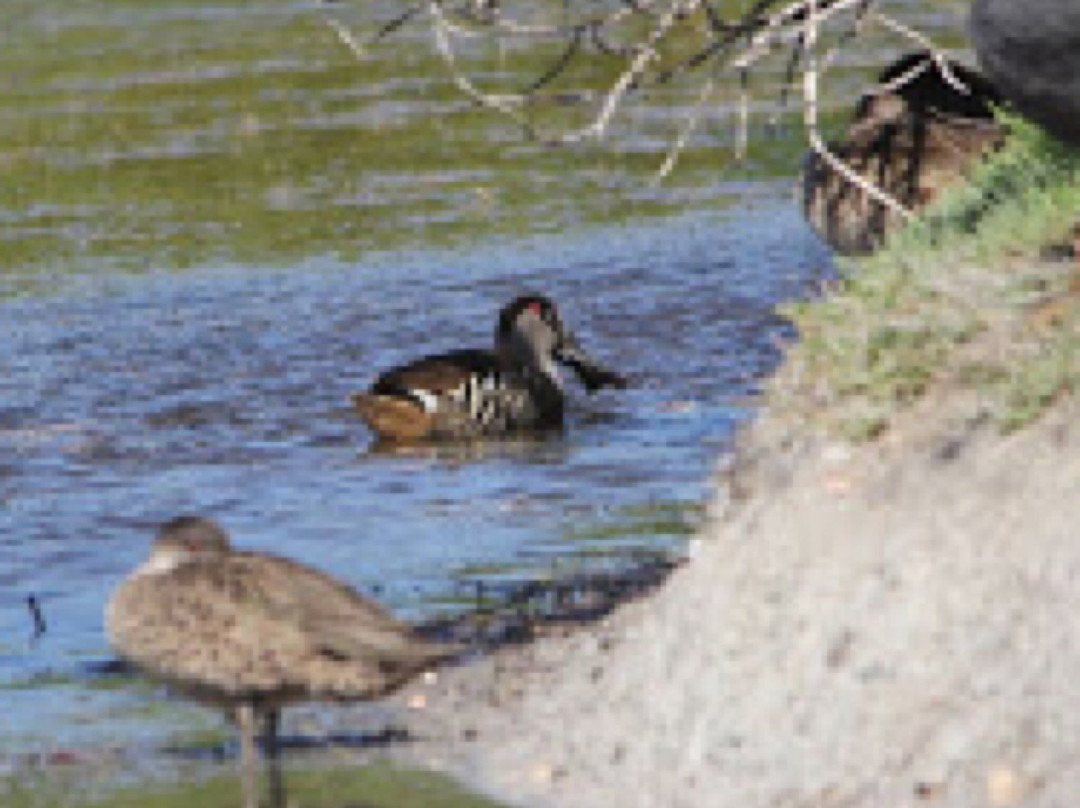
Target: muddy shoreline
{"x":884,"y":625}
{"x":505,"y":622}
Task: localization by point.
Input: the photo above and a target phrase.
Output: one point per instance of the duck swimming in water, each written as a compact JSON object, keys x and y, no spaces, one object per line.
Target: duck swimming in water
{"x":474,"y":393}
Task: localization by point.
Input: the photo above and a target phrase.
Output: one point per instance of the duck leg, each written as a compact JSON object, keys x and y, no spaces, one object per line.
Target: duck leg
{"x":245,"y":720}
{"x":272,"y":749}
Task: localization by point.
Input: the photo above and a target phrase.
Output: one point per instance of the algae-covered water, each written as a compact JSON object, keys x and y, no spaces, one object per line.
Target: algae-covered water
{"x":148,"y":135}
{"x":217,"y":222}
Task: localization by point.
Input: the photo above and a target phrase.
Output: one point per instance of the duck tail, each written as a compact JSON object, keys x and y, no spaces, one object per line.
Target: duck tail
{"x":393,"y":417}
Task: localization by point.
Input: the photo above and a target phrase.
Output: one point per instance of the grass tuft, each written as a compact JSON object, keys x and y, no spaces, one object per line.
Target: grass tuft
{"x":963,"y":298}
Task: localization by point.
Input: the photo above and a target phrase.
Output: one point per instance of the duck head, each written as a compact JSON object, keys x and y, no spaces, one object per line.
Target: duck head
{"x":531,"y":333}
{"x":185,"y":539}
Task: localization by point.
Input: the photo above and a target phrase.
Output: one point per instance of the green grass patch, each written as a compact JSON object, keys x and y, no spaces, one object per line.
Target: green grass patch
{"x":378,"y":785}
{"x":961,"y":297}
{"x":1023,"y":198}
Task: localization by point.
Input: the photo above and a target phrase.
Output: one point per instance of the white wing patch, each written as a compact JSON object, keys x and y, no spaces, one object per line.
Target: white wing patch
{"x":427,"y":399}
{"x":489,"y":401}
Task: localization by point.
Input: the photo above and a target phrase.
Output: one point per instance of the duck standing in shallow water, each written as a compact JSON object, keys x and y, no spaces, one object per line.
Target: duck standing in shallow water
{"x":480,"y":393}
{"x":250,"y":633}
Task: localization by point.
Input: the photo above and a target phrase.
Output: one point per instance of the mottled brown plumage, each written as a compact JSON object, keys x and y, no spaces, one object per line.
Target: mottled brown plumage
{"x":250,"y":632}
{"x":912,"y":141}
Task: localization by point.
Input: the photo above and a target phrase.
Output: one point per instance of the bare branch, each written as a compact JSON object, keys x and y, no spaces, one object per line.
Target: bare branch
{"x":507,"y":104}
{"x":791,"y":70}
{"x":810,"y":112}
{"x":360,"y":50}
{"x":904,"y":78}
{"x":346,"y":36}
{"x":685,"y":131}
{"x":725,"y":44}
{"x":559,"y":65}
{"x":939,"y":58}
{"x":647,"y":53}
{"x":861,"y":16}
{"x":742,"y":132}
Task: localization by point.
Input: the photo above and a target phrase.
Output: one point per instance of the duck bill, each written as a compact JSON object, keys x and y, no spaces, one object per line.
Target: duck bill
{"x":591,"y":373}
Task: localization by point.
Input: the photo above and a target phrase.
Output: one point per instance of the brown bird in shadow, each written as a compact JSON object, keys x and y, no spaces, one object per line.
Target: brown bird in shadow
{"x":250,"y":633}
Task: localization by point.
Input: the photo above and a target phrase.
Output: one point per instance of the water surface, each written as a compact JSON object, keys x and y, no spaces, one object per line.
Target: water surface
{"x":331,"y":219}
{"x":225,"y":391}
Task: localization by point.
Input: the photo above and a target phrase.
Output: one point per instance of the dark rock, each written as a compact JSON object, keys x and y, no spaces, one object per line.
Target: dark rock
{"x":1030,"y":49}
{"x":912,"y":141}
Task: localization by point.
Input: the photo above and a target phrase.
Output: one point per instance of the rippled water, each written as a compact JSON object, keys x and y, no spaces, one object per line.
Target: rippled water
{"x":130,"y":399}
{"x":239,"y":142}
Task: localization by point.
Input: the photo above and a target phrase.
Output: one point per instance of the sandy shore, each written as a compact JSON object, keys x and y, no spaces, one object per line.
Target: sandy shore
{"x":892,"y":625}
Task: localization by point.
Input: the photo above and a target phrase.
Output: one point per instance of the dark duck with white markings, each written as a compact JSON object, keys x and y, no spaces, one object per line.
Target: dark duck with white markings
{"x":468,"y":394}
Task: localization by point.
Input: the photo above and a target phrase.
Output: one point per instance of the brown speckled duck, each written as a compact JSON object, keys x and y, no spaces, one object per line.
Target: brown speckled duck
{"x":250,"y":633}
{"x":914,"y":135}
{"x":468,"y":394}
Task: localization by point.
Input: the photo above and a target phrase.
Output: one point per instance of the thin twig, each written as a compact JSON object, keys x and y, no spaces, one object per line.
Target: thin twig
{"x":734,"y":44}
{"x":558,"y":66}
{"x":502,"y":24}
{"x":742,"y":131}
{"x":810,"y":119}
{"x":600,"y":39}
{"x":939,"y":58}
{"x":506,"y":104}
{"x":685,"y":131}
{"x":346,"y":36}
{"x":903,"y":79}
{"x":359,"y":49}
{"x":791,"y":69}
{"x":647,"y":53}
{"x":861,"y":17}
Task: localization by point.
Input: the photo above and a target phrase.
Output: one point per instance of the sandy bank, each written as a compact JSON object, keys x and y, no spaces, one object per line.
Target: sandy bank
{"x":893,"y":625}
